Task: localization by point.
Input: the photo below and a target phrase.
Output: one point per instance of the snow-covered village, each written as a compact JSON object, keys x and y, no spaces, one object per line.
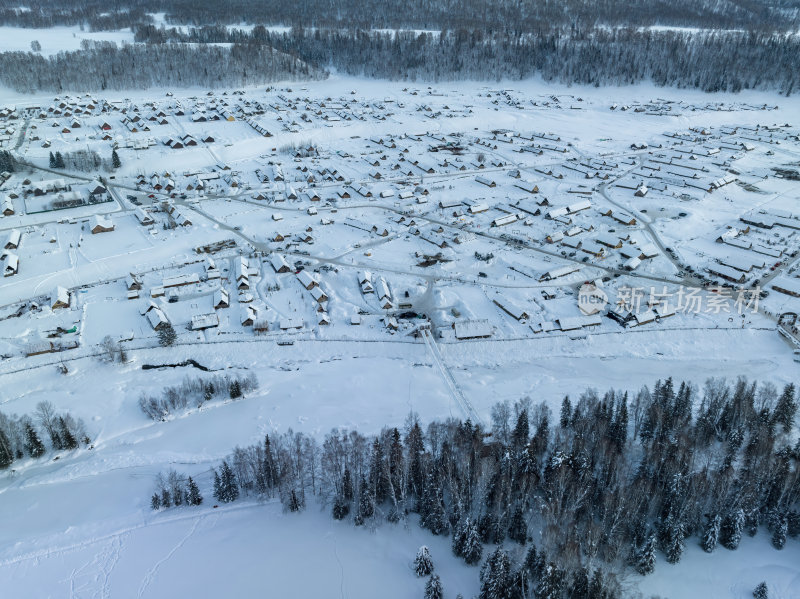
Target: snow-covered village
{"x":494,"y":339}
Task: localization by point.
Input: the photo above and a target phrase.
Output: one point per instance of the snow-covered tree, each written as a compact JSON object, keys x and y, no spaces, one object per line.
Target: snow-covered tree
{"x":33,"y":444}
{"x":433,"y":588}
{"x":193,"y":496}
{"x":730,"y":532}
{"x":167,"y":335}
{"x":711,"y":533}
{"x":779,"y":532}
{"x":496,"y":577}
{"x":423,"y":564}
{"x":646,"y":557}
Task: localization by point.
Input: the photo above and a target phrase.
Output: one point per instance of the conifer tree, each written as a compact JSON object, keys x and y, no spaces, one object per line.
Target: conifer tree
{"x":674,"y":542}
{"x":52,"y":160}
{"x":167,"y":335}
{"x":229,"y":489}
{"x":235,"y":390}
{"x":551,"y":583}
{"x":521,"y":431}
{"x":786,"y":408}
{"x":166,"y":499}
{"x":495,"y":577}
{"x":193,"y":496}
{"x":68,"y":440}
{"x":341,"y":507}
{"x":433,"y":516}
{"x":6,"y":452}
{"x":711,"y":533}
{"x":579,"y":588}
{"x":217,"y":487}
{"x":366,"y":502}
{"x":518,"y":529}
{"x":730,"y":532}
{"x":433,"y":588}
{"x":646,"y":558}
{"x":33,"y":444}
{"x":423,"y":564}
{"x":155,"y":502}
{"x":115,"y":161}
{"x":779,"y":533}
{"x":761,"y":591}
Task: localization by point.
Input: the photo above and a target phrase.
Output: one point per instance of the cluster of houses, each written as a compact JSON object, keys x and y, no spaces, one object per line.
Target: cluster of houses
{"x":8,"y":256}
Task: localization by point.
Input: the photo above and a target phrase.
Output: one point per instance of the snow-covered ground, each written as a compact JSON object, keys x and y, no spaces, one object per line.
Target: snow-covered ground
{"x":82,"y":525}
{"x":56,"y":39}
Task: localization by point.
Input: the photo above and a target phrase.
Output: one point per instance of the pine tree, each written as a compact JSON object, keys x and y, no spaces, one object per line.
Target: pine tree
{"x":6,"y":452}
{"x":68,"y":440}
{"x":423,"y":564}
{"x":779,"y":533}
{"x":115,"y":161}
{"x":674,"y":542}
{"x":433,"y":589}
{"x":341,"y":507}
{"x":761,"y":591}
{"x":518,"y":529}
{"x":496,"y":579}
{"x":366,"y":503}
{"x":551,"y":583}
{"x":167,"y":335}
{"x":379,"y":475}
{"x":217,"y":487}
{"x":596,"y":586}
{"x":646,"y":558}
{"x":786,"y":408}
{"x":566,"y":413}
{"x":33,"y":444}
{"x":155,"y":502}
{"x":459,"y":537}
{"x":193,"y":496}
{"x":711,"y":533}
{"x":579,"y":589}
{"x":348,"y":493}
{"x":166,"y":499}
{"x":521,"y":431}
{"x":793,"y":523}
{"x":229,"y":489}
{"x":59,"y":161}
{"x":52,"y":160}
{"x":433,"y":516}
{"x":730,"y":532}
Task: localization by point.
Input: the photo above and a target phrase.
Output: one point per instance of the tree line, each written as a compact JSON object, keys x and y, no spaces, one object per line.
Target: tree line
{"x":613,"y":482}
{"x":515,"y":15}
{"x":194,"y":392}
{"x":710,"y":61}
{"x":31,"y":435}
{"x":104,"y":65}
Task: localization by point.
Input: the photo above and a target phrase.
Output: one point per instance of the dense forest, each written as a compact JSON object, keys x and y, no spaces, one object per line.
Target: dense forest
{"x":509,"y":15}
{"x":573,"y":500}
{"x":103,"y":65}
{"x":218,"y":57}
